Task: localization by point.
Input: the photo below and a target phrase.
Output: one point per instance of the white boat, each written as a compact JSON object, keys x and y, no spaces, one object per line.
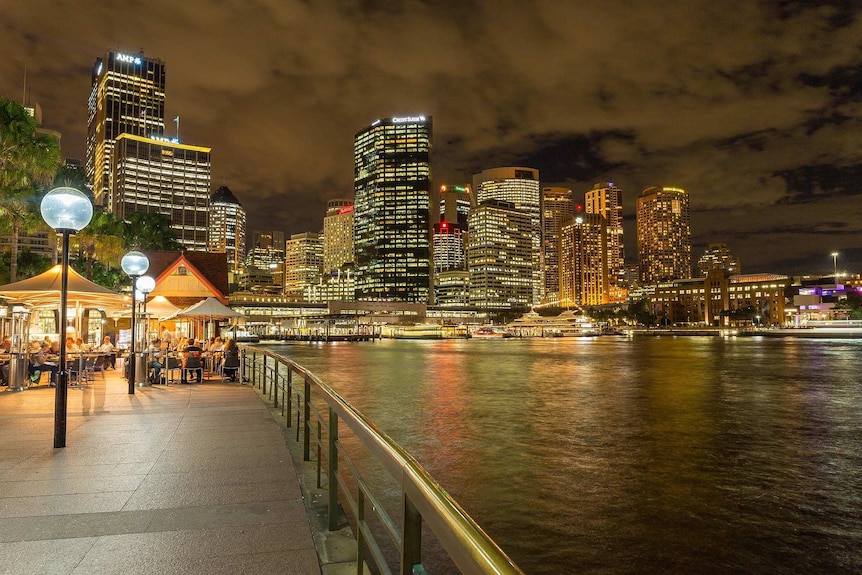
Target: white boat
{"x":567,"y":324}
{"x":490,"y":332}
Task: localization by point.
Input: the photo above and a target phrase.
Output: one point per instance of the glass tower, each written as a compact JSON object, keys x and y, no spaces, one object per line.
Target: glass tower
{"x":227,"y":228}
{"x":557,"y":205}
{"x":392,"y":210}
{"x":127,"y":96}
{"x":606,"y":199}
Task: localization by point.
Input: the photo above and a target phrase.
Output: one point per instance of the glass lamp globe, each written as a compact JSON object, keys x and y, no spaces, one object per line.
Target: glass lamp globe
{"x":146,"y":284}
{"x":135,"y":263}
{"x":66,"y":209}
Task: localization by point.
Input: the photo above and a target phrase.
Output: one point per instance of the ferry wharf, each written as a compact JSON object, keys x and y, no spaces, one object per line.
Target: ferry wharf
{"x":187,"y":479}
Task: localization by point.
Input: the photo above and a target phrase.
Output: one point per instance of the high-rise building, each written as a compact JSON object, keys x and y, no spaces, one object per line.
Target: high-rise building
{"x":500,"y":255}
{"x":606,"y":199}
{"x":583,"y":261}
{"x":338,"y":235}
{"x":266,"y":256}
{"x":521,"y":188}
{"x":455,"y":203}
{"x":557,"y":206}
{"x":449,"y":253}
{"x":127,"y":96}
{"x":718,"y":255}
{"x":303,"y":262}
{"x":227,"y":228}
{"x":392,"y":217}
{"x":664,"y":235}
{"x":152,"y":175}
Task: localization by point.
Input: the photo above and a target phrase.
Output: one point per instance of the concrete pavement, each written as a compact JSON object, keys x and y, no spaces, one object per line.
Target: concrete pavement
{"x":178,"y":479}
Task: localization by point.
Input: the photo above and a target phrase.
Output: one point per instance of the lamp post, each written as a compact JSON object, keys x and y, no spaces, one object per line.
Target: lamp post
{"x":135,"y":264}
{"x":835,"y":266}
{"x":146,"y":284}
{"x":67,"y":211}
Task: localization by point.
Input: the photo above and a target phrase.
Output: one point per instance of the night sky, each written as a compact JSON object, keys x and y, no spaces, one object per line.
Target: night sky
{"x":754,"y":108}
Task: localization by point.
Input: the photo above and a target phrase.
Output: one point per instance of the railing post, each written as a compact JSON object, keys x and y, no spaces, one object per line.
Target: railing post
{"x":411,"y":548}
{"x":306,"y":414}
{"x":287,"y":395}
{"x":263,"y":389}
{"x":360,"y":536}
{"x":277,"y":379}
{"x":333,"y":470}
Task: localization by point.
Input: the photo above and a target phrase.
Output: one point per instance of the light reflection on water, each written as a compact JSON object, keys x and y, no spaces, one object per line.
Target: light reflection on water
{"x":643,"y":455}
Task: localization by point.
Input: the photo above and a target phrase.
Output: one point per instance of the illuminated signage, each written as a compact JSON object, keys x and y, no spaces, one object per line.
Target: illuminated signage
{"x":164,"y":139}
{"x":345,"y":210}
{"x":405,"y":119}
{"x":128,"y":59}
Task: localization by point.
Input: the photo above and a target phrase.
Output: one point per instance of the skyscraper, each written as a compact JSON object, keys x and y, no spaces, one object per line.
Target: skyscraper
{"x":606,"y":199}
{"x":521,"y":188}
{"x":583,"y":260}
{"x":153,"y":175}
{"x":664,"y":234}
{"x":266,"y":255}
{"x":557,"y":206}
{"x":455,"y":202}
{"x":392,"y":217}
{"x":127,"y":97}
{"x":303,"y":261}
{"x":500,"y":256}
{"x":227,"y":228}
{"x":338,"y":235}
{"x":718,"y":255}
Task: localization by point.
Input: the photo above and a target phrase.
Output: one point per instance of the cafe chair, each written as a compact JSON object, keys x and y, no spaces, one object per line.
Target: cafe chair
{"x":193,"y":364}
{"x":174,"y":367}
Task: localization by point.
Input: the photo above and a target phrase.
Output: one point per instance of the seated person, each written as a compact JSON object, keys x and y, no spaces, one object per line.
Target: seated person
{"x":110,"y":353}
{"x":5,"y":353}
{"x":44,"y":361}
{"x":192,"y":361}
{"x":231,"y":359}
{"x":154,"y":353}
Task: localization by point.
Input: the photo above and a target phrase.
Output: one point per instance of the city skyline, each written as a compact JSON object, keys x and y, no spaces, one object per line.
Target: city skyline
{"x":754,"y":111}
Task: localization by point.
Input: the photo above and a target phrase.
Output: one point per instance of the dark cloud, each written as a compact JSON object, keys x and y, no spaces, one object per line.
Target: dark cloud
{"x":753,"y":107}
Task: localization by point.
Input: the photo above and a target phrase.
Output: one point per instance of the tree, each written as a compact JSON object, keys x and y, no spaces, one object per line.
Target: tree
{"x":103,"y":237}
{"x":28,"y":158}
{"x":150,"y":231}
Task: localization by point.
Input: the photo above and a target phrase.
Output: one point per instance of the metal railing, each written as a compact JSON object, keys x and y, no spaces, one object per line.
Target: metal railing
{"x":299,"y":393}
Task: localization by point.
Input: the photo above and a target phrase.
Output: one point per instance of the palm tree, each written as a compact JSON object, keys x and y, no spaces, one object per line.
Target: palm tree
{"x":103,"y":237}
{"x":27,"y":158}
{"x":150,"y":231}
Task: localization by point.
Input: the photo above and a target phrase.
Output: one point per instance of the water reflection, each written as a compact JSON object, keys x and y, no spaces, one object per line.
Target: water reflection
{"x":644,"y":455}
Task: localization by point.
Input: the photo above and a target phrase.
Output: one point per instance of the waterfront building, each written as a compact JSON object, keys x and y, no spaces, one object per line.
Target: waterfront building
{"x":392,"y":217}
{"x":521,"y":188}
{"x":557,"y":206}
{"x":721,"y":299}
{"x":151,"y":175}
{"x":227,"y":229}
{"x":338,"y":285}
{"x":583,"y":261}
{"x":664,"y":234}
{"x":266,"y":256}
{"x":452,"y":288}
{"x":607,"y":199}
{"x":718,"y":255}
{"x":127,"y":96}
{"x":500,"y":253}
{"x":338,"y":235}
{"x":303,"y":262}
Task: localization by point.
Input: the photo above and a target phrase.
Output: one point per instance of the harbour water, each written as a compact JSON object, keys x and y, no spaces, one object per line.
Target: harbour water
{"x":619,"y":455}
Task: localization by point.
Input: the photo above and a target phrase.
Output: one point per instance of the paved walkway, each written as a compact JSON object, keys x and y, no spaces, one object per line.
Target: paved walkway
{"x":178,"y":479}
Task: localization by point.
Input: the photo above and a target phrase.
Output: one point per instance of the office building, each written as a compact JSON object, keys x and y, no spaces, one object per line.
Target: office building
{"x":583,"y":261}
{"x":606,"y":199}
{"x":227,"y":228}
{"x":718,"y":255}
{"x":266,"y":258}
{"x":338,"y":235}
{"x":520,"y":187}
{"x":455,"y":204}
{"x":557,"y":206}
{"x":127,"y":96}
{"x":664,"y":235}
{"x":392,"y":216}
{"x":303,"y":262}
{"x":153,"y":175}
{"x":500,"y":253}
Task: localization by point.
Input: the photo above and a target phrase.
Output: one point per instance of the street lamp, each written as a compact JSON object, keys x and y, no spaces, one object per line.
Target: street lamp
{"x":835,"y":266}
{"x":67,"y":211}
{"x":146,"y":284}
{"x":135,"y":264}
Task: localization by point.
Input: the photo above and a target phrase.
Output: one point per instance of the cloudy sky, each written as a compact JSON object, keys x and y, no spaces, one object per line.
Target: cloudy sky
{"x":753,"y":107}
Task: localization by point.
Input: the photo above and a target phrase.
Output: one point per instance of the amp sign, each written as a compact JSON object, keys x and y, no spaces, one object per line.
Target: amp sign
{"x":128,"y":59}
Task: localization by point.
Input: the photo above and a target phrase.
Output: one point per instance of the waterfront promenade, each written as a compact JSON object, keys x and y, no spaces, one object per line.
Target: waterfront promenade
{"x":178,"y":479}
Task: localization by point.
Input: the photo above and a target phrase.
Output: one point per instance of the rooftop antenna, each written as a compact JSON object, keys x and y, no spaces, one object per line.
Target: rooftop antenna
{"x":24,"y":95}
